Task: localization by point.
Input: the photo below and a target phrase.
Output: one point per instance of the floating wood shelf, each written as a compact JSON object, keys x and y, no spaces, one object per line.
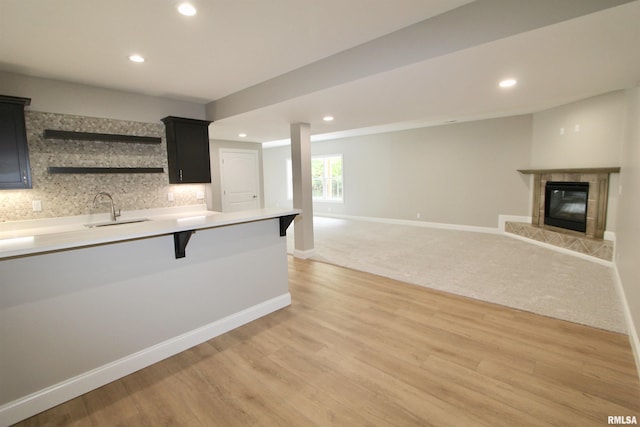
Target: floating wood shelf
{"x":102,"y":137}
{"x":615,"y":169}
{"x":81,"y":170}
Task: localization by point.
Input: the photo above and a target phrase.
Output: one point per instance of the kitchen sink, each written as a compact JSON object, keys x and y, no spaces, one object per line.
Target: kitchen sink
{"x":120,"y":222}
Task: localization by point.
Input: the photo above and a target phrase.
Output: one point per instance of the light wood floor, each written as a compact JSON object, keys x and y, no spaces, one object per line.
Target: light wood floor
{"x":357,"y":349}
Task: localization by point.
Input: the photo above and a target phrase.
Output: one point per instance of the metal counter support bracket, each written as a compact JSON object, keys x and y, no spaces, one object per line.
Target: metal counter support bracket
{"x":180,"y":240}
{"x":285,"y":221}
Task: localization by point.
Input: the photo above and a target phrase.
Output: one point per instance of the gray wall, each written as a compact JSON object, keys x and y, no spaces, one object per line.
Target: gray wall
{"x":628,"y":232}
{"x":597,"y":143}
{"x":55,"y":96}
{"x":463,"y":174}
{"x":274,"y":164}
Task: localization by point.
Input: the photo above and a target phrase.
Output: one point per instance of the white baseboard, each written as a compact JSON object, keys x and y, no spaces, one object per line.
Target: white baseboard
{"x":414,"y":223}
{"x":502,"y":219}
{"x":304,"y":254}
{"x":631,"y":329}
{"x":49,"y":397}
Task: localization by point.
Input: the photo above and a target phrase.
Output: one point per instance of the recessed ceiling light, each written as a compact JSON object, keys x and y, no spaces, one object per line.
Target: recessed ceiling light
{"x":136,"y":58}
{"x":328,"y":118}
{"x":187,"y":9}
{"x":242,"y":135}
{"x":508,"y":83}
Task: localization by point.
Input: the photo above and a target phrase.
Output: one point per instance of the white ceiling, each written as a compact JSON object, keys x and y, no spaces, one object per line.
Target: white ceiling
{"x":232,"y":45}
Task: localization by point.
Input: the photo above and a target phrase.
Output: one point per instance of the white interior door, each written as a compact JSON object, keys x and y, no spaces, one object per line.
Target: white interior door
{"x":240,"y":180}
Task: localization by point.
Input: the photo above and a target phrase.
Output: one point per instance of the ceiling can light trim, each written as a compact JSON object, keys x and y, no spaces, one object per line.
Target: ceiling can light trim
{"x":187,"y":9}
{"x":507,"y":83}
{"x":136,"y":58}
{"x":328,"y":118}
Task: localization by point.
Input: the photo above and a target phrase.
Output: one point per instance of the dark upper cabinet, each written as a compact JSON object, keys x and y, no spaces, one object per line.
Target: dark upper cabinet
{"x":187,"y":150}
{"x":15,"y":171}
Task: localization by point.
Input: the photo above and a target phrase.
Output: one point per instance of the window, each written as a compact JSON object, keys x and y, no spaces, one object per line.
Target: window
{"x":326,"y":178}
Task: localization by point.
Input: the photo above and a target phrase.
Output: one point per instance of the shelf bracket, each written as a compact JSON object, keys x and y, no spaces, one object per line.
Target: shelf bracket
{"x":285,"y":221}
{"x":180,"y":240}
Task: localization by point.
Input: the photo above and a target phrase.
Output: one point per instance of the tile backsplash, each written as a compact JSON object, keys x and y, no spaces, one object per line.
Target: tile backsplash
{"x":72,"y":194}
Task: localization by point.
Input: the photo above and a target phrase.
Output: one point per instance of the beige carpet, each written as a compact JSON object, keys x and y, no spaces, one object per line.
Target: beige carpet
{"x":488,"y":267}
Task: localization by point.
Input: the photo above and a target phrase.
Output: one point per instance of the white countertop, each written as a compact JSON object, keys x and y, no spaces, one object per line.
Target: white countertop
{"x":19,"y":238}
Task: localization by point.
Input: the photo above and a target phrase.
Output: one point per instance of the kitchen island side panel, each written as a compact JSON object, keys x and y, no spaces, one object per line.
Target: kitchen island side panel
{"x":65,"y":313}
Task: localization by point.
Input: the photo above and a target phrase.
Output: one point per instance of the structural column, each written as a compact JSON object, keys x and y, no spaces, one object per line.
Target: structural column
{"x":302,"y":192}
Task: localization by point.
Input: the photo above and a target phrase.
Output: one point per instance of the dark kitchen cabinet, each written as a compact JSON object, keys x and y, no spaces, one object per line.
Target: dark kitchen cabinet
{"x":15,"y":171}
{"x":187,"y":150}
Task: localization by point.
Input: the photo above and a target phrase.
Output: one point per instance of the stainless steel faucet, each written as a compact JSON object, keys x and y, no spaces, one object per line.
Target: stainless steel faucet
{"x":114,"y":214}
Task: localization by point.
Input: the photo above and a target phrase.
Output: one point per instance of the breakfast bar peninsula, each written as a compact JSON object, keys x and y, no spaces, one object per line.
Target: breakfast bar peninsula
{"x":85,"y":303}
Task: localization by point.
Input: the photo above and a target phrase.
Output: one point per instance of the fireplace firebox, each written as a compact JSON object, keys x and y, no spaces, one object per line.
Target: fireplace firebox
{"x":566,"y":205}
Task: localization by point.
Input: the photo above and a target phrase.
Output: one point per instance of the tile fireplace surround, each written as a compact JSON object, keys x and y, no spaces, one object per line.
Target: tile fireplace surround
{"x":590,"y":242}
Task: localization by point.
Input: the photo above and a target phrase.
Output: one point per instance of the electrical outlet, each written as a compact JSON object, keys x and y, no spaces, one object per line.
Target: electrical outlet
{"x":36,"y":205}
{"x":170,"y":197}
{"x":200,"y":195}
